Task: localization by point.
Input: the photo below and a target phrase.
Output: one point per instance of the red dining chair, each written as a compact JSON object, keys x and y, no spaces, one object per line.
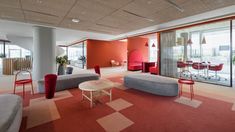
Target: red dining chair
{"x":23,"y":82}
{"x":189,"y":82}
{"x":97,"y":69}
{"x":216,"y":68}
{"x":181,"y":65}
{"x":198,"y":66}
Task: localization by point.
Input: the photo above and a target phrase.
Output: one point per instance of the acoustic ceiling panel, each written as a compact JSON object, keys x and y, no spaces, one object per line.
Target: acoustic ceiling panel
{"x":105,"y":16}
{"x":9,"y":13}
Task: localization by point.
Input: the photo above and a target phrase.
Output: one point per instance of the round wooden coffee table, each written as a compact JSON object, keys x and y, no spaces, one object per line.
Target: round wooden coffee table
{"x":103,"y":85}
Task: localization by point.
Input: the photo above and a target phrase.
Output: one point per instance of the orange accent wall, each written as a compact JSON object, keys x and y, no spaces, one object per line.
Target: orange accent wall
{"x":101,"y":52}
{"x":138,"y":43}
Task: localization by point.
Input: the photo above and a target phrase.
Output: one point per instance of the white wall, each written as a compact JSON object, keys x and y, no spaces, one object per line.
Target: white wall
{"x":24,"y":42}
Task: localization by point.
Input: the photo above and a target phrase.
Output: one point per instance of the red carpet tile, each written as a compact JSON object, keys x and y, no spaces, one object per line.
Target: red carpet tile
{"x":118,"y":79}
{"x":149,"y":113}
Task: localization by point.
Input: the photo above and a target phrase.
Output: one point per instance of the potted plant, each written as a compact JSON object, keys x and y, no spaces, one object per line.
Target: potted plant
{"x":2,"y":55}
{"x":62,"y":61}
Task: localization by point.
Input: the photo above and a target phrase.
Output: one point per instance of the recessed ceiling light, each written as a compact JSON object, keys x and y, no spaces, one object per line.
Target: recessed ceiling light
{"x":75,"y":20}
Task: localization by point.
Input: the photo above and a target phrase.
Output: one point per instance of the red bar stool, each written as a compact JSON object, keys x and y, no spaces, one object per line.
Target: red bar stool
{"x":189,"y":82}
{"x":23,"y":82}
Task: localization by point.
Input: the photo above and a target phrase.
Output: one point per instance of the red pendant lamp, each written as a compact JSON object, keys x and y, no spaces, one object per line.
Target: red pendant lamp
{"x":146,"y":44}
{"x":153,"y":45}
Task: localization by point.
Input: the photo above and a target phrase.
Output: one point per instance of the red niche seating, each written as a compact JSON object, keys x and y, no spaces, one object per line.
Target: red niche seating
{"x":135,"y":60}
{"x":97,"y":69}
{"x":50,"y":84}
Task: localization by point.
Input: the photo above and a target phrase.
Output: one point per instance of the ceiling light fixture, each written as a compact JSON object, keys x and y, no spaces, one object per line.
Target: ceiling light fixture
{"x":123,"y":40}
{"x":103,"y":25}
{"x":190,"y":41}
{"x":151,"y":20}
{"x":175,"y":5}
{"x":75,"y":20}
{"x":203,"y":40}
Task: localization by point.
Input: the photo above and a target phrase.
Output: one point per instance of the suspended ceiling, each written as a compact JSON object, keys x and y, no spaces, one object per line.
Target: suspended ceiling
{"x":105,"y":16}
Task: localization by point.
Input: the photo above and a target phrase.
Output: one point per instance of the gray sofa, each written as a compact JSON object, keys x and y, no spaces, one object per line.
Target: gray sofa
{"x":69,"y":81}
{"x":10,"y":112}
{"x":154,"y":84}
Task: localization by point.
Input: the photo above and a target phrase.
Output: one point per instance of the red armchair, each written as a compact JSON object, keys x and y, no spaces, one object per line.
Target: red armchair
{"x":154,"y":70}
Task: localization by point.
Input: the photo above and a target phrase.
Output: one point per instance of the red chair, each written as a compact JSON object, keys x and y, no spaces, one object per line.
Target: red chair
{"x":23,"y":82}
{"x":216,"y":68}
{"x":154,"y":70}
{"x":181,"y":65}
{"x":198,"y":66}
{"x":50,"y":85}
{"x":97,"y":69}
{"x":189,"y":82}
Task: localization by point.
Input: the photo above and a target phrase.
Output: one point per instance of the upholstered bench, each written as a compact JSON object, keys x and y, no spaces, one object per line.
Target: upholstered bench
{"x":68,"y":81}
{"x":10,"y":112}
{"x":154,"y":84}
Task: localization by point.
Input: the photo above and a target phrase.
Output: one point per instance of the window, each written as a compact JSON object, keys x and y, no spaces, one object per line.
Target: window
{"x":77,"y":55}
{"x":208,"y":46}
{"x":153,"y":50}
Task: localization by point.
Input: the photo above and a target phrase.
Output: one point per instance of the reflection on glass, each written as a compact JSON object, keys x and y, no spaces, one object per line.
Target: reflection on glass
{"x":203,"y":50}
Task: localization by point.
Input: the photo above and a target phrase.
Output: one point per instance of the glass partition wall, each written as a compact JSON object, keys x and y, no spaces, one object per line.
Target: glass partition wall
{"x":77,"y":55}
{"x":203,"y":50}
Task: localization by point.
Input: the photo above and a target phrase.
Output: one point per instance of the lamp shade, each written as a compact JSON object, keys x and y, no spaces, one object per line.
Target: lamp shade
{"x":203,"y":40}
{"x":3,"y":38}
{"x":59,"y":51}
{"x":189,"y":41}
{"x":153,"y":45}
{"x":146,"y":44}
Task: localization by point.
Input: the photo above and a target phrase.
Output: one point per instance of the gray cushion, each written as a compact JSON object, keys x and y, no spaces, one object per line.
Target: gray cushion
{"x":9,"y":106}
{"x":69,"y":81}
{"x":152,"y":83}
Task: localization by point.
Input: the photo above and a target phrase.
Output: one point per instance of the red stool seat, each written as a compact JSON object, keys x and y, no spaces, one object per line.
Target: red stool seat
{"x":185,"y":81}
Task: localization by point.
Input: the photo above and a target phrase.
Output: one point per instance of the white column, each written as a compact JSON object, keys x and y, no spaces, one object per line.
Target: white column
{"x":44,"y":52}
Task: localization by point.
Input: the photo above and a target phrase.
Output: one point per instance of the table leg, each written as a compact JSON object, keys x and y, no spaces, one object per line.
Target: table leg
{"x":110,"y":96}
{"x":82,"y":95}
{"x":91,"y":97}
